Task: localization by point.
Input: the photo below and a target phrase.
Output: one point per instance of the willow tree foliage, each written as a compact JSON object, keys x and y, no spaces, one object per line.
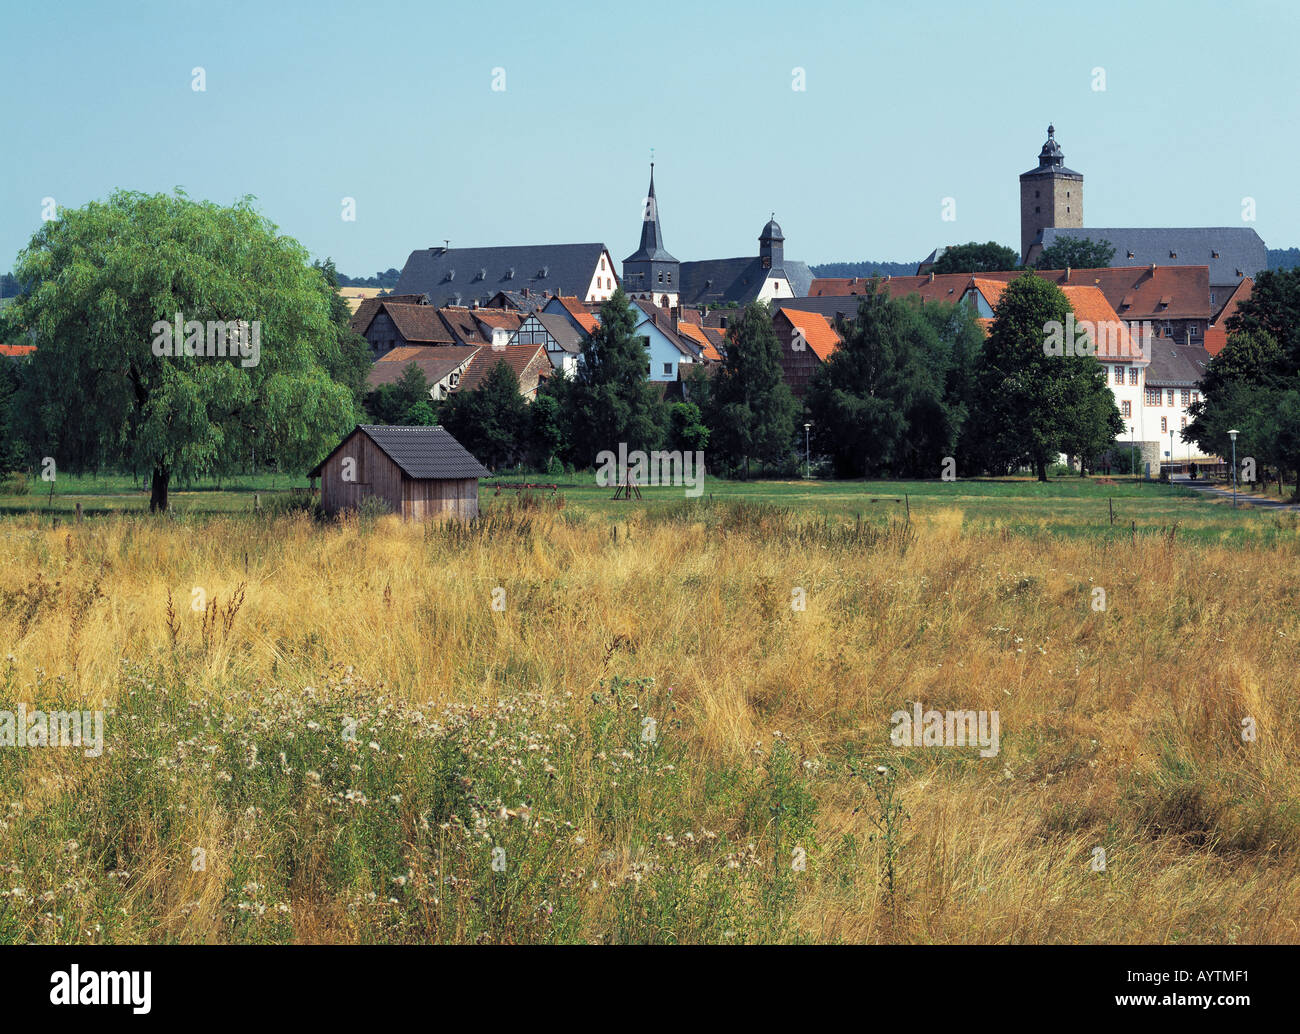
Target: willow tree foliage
{"x":100,"y":282}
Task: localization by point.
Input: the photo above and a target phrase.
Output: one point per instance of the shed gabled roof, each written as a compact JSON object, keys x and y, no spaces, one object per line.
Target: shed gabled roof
{"x":427,"y":453}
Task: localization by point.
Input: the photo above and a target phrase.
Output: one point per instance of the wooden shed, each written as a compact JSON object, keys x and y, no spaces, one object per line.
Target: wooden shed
{"x":418,"y":471}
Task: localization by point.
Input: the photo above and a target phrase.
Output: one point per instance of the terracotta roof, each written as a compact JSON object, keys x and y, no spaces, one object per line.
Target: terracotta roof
{"x":417,"y":323}
{"x":517,"y":357}
{"x":369,"y":307}
{"x":820,"y":335}
{"x":436,"y":362}
{"x":696,"y":334}
{"x":17,"y":350}
{"x":507,"y":319}
{"x":1216,"y":335}
{"x":1111,"y":335}
{"x":579,"y":312}
{"x":462,"y":325}
{"x":990,"y":289}
{"x":1134,"y":292}
{"x":665,"y":324}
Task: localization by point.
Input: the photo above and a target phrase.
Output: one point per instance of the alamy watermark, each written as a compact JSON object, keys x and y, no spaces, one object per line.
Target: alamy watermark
{"x":222,"y":339}
{"x":636,"y":467}
{"x":36,"y":728}
{"x":946,"y":729}
{"x":1129,"y":339}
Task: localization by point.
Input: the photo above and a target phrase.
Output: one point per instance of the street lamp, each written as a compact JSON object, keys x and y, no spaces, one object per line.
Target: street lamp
{"x":1233,"y":435}
{"x":807,"y":456}
{"x":1171,"y":454}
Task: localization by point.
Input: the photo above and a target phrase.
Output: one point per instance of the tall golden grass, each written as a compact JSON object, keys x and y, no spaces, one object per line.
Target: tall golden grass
{"x":1121,"y":729}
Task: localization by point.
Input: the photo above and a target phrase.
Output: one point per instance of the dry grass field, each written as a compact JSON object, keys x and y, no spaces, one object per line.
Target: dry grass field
{"x":548,"y":727}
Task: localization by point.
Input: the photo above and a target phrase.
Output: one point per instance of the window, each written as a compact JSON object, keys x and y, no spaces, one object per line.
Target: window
{"x":1171,"y":397}
{"x":1186,"y":396}
{"x":668,"y":369}
{"x":1119,"y":375}
{"x":661,"y":276}
{"x":1037,"y":210}
{"x":1153,"y":396}
{"x":1184,"y":423}
{"x":1196,"y":396}
{"x":1164,"y":425}
{"x":1126,"y":407}
{"x":670,"y":278}
{"x":1133,"y":375}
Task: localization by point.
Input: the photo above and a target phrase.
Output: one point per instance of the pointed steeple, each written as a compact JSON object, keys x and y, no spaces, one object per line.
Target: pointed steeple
{"x":652,"y":235}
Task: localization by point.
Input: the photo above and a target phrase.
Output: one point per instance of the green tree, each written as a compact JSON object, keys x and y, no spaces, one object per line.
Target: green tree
{"x":490,"y":421}
{"x":1030,"y":405}
{"x":609,"y":399}
{"x":104,"y":280}
{"x":880,"y":403}
{"x":751,"y":410}
{"x":687,"y":431}
{"x":1253,"y":384}
{"x":345,"y":353}
{"x":545,"y":431}
{"x":1076,"y":253}
{"x":389,"y":403}
{"x":991,"y":257}
{"x":420,"y":415}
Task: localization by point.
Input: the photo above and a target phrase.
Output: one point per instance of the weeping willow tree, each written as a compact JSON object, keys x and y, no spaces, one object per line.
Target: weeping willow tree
{"x":177,"y":338}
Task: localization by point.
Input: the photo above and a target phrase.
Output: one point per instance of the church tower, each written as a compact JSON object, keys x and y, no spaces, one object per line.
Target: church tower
{"x":650,"y":272}
{"x":1050,"y":195}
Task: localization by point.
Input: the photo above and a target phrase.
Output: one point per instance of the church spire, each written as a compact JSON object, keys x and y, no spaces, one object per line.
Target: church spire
{"x":652,"y":235}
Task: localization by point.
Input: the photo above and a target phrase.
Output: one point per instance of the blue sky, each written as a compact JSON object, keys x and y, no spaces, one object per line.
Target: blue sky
{"x":905,"y":105}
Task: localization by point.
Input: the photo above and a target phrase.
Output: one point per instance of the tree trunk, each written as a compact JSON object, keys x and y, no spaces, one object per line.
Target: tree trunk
{"x":158,"y":490}
{"x":1041,"y":465}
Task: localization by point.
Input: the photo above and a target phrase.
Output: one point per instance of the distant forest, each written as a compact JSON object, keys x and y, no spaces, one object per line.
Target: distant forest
{"x":866,"y":269}
{"x":386,"y":280}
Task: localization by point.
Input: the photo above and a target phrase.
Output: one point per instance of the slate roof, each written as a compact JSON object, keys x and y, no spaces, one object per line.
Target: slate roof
{"x":736,"y":280}
{"x":1175,"y":365}
{"x":422,"y":452}
{"x":1231,"y":252}
{"x":566,"y":335}
{"x":459,"y":276}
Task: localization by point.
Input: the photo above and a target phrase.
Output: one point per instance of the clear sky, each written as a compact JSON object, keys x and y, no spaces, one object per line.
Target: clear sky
{"x":905,"y":104}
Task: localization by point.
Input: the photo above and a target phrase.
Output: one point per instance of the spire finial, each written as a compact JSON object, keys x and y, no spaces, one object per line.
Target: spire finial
{"x":1051,"y":130}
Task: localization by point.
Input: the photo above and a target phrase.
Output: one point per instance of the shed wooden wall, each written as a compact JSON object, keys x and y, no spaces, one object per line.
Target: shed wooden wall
{"x":376,"y":475}
{"x":449,"y":498}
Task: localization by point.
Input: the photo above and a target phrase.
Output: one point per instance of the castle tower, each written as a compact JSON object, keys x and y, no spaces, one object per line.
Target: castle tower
{"x":1050,"y":195}
{"x":650,"y":272}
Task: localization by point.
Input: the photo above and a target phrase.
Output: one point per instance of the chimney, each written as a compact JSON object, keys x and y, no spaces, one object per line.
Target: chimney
{"x":1067,"y":274}
{"x":932,"y":276}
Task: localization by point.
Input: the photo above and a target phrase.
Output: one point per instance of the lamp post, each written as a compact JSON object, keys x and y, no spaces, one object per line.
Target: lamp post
{"x":1171,"y":454}
{"x":1233,"y":435}
{"x":807,"y":456}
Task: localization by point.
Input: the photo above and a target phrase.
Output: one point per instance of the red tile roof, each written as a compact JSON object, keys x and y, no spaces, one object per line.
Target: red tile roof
{"x":16,"y":350}
{"x":1134,"y":292}
{"x":817,"y":332}
{"x":417,"y":323}
{"x":696,"y":334}
{"x":1216,"y":335}
{"x":518,"y":357}
{"x":579,"y":312}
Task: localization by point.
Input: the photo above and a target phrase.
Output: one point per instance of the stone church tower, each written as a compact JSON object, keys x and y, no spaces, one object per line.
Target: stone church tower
{"x":1050,"y":195}
{"x":651,"y":272}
